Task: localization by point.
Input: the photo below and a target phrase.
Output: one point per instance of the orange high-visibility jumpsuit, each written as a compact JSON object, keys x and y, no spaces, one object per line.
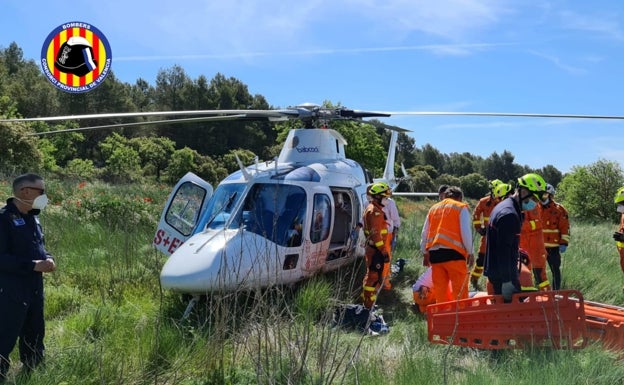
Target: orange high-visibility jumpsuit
{"x":376,"y":232}
{"x":443,"y":235}
{"x":480,"y":220}
{"x":532,"y":240}
{"x":556,"y":233}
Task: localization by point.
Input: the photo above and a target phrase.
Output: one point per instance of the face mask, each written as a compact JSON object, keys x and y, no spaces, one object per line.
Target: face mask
{"x":40,"y":202}
{"x":528,"y":206}
{"x":384,"y":201}
{"x":546,"y":201}
{"x":620,"y":209}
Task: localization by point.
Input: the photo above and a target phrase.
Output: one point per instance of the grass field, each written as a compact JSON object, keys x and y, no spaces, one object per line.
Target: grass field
{"x":109,"y":322}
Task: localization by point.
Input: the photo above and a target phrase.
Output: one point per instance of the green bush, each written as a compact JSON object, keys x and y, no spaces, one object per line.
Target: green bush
{"x":81,"y":169}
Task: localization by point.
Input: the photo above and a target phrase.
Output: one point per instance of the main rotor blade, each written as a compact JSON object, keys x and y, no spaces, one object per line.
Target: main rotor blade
{"x":168,"y":121}
{"x":246,"y":113}
{"x":505,"y":114}
{"x":305,"y":112}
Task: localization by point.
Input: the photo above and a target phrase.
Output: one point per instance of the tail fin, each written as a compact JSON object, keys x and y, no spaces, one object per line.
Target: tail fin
{"x":388,"y":175}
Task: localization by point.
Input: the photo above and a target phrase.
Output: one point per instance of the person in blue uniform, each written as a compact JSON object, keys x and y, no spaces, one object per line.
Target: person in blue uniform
{"x":23,"y":260}
{"x":503,"y":235}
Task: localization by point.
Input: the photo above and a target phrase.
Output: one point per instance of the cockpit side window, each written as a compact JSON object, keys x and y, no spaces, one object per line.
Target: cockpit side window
{"x":185,"y":207}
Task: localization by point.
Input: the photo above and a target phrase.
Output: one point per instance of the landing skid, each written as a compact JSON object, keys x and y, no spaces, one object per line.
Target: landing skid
{"x":190,"y":306}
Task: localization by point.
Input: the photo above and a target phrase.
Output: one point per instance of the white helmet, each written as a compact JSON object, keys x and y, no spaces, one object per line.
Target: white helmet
{"x":550,"y":189}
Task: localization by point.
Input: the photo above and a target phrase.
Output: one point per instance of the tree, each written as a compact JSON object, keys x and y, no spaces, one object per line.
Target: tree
{"x":32,"y":92}
{"x":501,"y":167}
{"x":587,"y":191}
{"x":61,"y":146}
{"x":460,"y":164}
{"x":13,"y":58}
{"x":154,"y":153}
{"x":430,"y":170}
{"x":363,"y":145}
{"x":420,"y":181}
{"x":170,"y":85}
{"x":123,"y":163}
{"x":229,"y":160}
{"x":182,"y":161}
{"x":80,"y":168}
{"x":433,"y":157}
{"x":447,"y":179}
{"x":210,"y":170}
{"x":19,"y":150}
{"x":474,"y":185}
{"x":550,"y":174}
{"x":48,"y":152}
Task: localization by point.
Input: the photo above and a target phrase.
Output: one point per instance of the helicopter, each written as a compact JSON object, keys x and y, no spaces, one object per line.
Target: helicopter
{"x":274,"y":222}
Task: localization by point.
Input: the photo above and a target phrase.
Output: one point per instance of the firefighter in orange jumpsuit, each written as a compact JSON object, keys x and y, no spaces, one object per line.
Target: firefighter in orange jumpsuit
{"x":618,"y":236}
{"x":446,"y":244}
{"x":480,"y":219}
{"x":532,"y":241}
{"x":377,"y":246}
{"x":556,"y":233}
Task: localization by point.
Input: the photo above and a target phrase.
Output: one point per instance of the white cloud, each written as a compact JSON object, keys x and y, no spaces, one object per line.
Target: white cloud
{"x":247,"y":26}
{"x":607,"y":25}
{"x":451,"y":19}
{"x":560,"y":63}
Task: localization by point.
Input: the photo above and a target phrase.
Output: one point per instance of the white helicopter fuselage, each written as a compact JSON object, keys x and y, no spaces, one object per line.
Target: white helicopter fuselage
{"x":270,"y":223}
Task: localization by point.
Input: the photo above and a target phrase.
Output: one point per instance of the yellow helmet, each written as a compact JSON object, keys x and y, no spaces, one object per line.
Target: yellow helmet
{"x":380,"y":188}
{"x":534,"y":183}
{"x":494,"y":183}
{"x":619,"y":196}
{"x":502,"y":190}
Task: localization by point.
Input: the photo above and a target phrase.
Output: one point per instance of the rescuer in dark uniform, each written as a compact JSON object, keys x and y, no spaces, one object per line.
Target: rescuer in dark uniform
{"x":23,"y":259}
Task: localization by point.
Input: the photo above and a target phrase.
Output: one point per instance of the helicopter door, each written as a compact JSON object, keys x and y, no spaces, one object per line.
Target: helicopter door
{"x":179,"y":219}
{"x":320,"y":230}
{"x":344,"y":224}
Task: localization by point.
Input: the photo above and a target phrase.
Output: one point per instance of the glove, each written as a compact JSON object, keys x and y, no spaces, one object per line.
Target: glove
{"x":482,"y":231}
{"x":619,"y":237}
{"x":377,"y":261}
{"x":471,"y":261}
{"x":507,"y":289}
{"x":563,"y":248}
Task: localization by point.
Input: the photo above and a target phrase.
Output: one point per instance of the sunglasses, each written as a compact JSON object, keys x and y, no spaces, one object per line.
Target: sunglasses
{"x":41,"y":191}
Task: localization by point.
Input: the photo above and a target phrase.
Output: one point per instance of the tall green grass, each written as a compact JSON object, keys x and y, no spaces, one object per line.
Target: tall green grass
{"x":108,"y":321}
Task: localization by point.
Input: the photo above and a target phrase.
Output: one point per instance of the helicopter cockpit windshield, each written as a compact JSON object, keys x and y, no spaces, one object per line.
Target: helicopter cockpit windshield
{"x":276,"y":212}
{"x":223,"y":202}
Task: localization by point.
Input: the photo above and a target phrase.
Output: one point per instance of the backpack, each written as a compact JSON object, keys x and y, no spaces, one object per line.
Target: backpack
{"x":359,"y":318}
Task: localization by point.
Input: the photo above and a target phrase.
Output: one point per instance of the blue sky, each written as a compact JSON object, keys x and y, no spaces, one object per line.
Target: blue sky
{"x":395,"y":55}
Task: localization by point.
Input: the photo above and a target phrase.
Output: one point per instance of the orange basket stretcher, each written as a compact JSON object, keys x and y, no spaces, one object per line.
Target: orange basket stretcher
{"x":536,"y":319}
{"x":605,"y":323}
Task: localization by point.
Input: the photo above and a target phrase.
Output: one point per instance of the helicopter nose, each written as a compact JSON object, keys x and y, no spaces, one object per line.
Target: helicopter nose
{"x":193,"y":266}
